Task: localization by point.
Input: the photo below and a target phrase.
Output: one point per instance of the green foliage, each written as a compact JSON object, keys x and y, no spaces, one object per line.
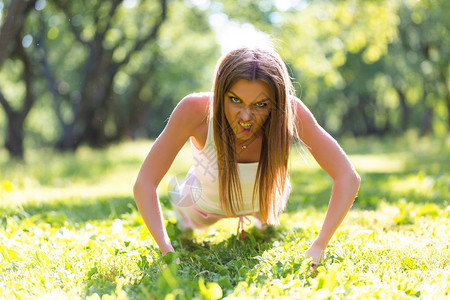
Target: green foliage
{"x":380,"y":67}
{"x":76,"y":233}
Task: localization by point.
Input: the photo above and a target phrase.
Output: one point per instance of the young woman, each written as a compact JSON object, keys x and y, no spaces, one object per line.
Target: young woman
{"x":240,"y":136}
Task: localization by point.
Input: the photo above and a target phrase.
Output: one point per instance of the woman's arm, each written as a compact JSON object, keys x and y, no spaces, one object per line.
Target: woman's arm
{"x":335,"y":162}
{"x":183,"y":122}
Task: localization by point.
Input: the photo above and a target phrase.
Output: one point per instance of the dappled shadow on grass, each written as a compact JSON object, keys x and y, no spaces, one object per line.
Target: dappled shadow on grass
{"x":422,"y":174}
{"x":75,"y":210}
{"x":415,"y":187}
{"x":48,"y":167}
{"x":406,"y":143}
{"x":430,"y":163}
{"x":104,"y":277}
{"x":226,"y":263}
{"x":309,"y":189}
{"x":425,"y":178}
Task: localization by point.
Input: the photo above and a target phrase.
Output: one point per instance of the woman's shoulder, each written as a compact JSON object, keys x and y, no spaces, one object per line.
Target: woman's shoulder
{"x":301,"y":111}
{"x":196,"y":103}
{"x":193,"y":110}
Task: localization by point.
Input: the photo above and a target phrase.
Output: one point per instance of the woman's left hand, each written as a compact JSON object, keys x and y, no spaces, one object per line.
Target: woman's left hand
{"x":316,"y":252}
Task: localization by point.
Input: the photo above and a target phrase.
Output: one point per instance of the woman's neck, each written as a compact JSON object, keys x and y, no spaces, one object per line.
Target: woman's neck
{"x":249,"y":150}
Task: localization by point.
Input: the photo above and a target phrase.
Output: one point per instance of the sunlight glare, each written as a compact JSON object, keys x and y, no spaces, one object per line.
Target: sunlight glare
{"x":27,"y":40}
{"x":129,"y":3}
{"x":284,"y":5}
{"x":40,"y":5}
{"x":201,"y":4}
{"x":234,"y":35}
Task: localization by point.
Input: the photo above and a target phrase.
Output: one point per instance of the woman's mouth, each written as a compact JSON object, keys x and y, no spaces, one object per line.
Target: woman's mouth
{"x":246,"y":127}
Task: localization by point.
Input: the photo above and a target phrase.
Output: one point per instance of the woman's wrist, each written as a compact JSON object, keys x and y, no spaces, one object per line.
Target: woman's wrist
{"x":166,"y":249}
{"x":319,"y":242}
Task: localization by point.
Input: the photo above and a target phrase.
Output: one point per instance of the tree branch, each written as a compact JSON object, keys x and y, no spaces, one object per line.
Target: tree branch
{"x":49,"y":76}
{"x":76,"y":32}
{"x":11,"y":26}
{"x":96,"y":15}
{"x":8,"y":109}
{"x":97,"y":43}
{"x":28,"y":76}
{"x":142,"y":42}
{"x":111,"y":14}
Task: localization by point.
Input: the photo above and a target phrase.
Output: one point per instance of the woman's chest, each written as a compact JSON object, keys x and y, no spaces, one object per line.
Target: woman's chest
{"x":248,"y":151}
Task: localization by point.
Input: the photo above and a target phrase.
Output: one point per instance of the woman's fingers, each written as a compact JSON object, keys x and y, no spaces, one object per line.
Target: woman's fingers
{"x":317,"y":255}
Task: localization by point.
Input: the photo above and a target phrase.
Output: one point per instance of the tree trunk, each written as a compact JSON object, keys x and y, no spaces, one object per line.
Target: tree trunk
{"x":366,"y":114}
{"x":94,"y":107}
{"x":11,"y":26}
{"x":11,"y":45}
{"x":427,"y":117}
{"x":443,"y":78}
{"x":405,"y":109}
{"x":448,"y":111}
{"x":14,"y":136}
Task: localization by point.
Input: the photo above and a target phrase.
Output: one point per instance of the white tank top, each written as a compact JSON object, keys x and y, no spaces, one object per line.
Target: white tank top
{"x":206,"y":174}
{"x":201,"y":184}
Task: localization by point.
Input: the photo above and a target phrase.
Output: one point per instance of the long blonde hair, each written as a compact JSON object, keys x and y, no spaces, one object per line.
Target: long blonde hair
{"x":265,"y":65}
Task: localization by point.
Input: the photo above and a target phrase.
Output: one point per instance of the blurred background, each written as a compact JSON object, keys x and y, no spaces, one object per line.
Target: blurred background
{"x":96,"y":72}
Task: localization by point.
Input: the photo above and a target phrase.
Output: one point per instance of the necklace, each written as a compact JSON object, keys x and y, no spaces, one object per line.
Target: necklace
{"x":248,"y":142}
{"x":244,"y":146}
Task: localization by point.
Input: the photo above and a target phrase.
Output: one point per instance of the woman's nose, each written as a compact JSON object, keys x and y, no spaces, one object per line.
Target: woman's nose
{"x":245,"y":114}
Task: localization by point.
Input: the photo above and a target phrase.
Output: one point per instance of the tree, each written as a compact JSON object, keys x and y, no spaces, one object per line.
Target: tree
{"x":103,"y":71}
{"x":105,"y":44}
{"x":379,"y":66}
{"x":424,"y":51}
{"x":11,"y":47}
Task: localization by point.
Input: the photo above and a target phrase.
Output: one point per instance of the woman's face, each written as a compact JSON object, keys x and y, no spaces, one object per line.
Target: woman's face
{"x":247,"y":106}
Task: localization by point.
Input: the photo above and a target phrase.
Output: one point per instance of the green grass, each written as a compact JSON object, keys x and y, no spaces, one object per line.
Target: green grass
{"x":69,"y":228}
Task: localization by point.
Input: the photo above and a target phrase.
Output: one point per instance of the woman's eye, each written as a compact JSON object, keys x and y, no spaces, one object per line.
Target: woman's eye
{"x":235,"y":100}
{"x":261,"y":104}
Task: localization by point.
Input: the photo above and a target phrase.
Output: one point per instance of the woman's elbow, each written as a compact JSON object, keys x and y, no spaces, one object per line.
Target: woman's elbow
{"x":141,"y":188}
{"x":138,"y":188}
{"x":355,"y":181}
{"x":351,"y":179}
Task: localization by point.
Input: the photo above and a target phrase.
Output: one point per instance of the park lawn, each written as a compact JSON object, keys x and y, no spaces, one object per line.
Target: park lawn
{"x":69,"y":228}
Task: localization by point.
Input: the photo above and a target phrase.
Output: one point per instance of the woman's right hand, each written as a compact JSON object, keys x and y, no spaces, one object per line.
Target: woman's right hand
{"x":316,"y":252}
{"x":166,"y":250}
{"x":186,"y":119}
{"x":167,"y":257}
